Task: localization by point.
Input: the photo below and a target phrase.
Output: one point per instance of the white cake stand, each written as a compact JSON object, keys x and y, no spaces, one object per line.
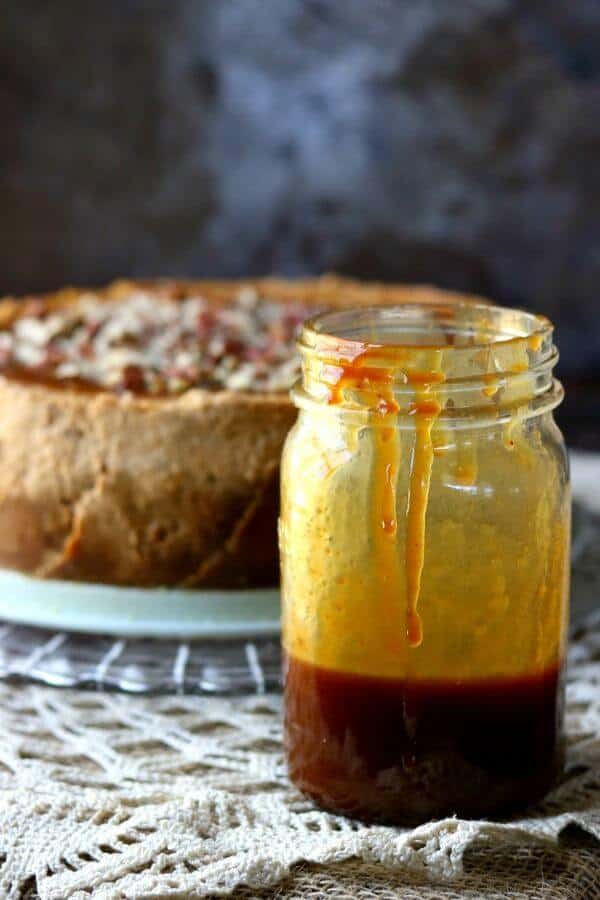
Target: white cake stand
{"x":137,"y":612}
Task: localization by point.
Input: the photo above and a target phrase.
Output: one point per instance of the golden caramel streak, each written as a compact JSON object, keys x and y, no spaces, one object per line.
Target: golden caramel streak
{"x":420,"y":478}
{"x":377,"y":387}
{"x":384,"y":526}
{"x":378,"y":394}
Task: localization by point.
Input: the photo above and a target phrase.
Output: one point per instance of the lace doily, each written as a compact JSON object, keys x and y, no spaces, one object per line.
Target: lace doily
{"x":110,"y":796}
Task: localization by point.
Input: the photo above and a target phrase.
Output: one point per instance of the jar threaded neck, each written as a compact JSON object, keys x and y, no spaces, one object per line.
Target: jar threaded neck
{"x":473,"y":358}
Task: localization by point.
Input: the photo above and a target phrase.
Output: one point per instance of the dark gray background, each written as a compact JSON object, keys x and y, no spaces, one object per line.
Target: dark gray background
{"x":451,"y":141}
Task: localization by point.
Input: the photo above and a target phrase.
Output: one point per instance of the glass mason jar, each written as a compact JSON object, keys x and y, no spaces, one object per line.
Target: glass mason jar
{"x":424,"y":539}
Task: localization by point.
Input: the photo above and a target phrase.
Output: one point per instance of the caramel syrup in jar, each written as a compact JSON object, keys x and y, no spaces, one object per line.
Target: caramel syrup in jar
{"x":407,"y":751}
{"x":424,"y":539}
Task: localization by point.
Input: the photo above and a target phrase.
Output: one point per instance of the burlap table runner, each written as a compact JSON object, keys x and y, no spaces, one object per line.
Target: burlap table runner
{"x":115,"y":796}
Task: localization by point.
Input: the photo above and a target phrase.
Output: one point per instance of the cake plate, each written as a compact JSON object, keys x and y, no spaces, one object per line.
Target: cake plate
{"x":137,"y":612}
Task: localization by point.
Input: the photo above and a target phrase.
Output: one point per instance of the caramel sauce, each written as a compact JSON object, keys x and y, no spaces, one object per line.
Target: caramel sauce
{"x":507,"y":435}
{"x":376,"y":384}
{"x":384,"y":523}
{"x":425,"y":411}
{"x":519,"y":367}
{"x":466,"y":474}
{"x":426,"y":379}
{"x":491,"y":386}
{"x":489,"y":390}
{"x":534,"y":342}
{"x":405,"y":751}
{"x":358,"y":376}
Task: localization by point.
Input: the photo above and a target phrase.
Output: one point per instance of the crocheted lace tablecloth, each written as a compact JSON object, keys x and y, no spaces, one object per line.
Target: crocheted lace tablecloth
{"x":114,"y":796}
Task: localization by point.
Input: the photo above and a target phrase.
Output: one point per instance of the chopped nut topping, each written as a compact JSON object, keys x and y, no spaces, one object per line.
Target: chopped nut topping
{"x":148,"y":344}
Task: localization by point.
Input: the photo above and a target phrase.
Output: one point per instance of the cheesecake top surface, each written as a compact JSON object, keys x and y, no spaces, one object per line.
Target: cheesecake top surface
{"x":148,"y":343}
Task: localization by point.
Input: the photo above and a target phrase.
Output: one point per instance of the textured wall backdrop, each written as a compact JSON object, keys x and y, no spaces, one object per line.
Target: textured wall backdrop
{"x":455,"y":142}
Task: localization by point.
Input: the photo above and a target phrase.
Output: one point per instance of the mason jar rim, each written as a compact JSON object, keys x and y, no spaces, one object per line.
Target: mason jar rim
{"x":477,"y":359}
{"x":327,"y":327}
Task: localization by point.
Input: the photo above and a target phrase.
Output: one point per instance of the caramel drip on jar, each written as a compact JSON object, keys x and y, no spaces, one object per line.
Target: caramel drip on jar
{"x":491,"y":385}
{"x":466,"y":461}
{"x":384,"y":523}
{"x":535,"y":342}
{"x":376,"y":386}
{"x":425,"y":410}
